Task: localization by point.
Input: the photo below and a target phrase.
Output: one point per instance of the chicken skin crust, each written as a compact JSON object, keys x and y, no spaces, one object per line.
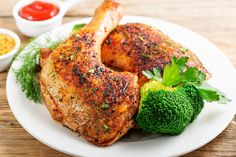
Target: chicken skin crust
{"x":135,"y":47}
{"x":81,"y":92}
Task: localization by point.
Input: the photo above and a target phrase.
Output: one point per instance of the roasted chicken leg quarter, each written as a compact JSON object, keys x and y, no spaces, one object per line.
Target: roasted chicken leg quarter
{"x":136,"y":47}
{"x":81,"y":92}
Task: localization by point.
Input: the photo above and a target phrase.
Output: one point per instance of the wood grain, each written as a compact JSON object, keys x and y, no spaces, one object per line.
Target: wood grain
{"x":214,"y":19}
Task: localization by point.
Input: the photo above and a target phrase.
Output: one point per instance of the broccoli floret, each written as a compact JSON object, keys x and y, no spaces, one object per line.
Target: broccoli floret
{"x":195,"y":99}
{"x":163,"y":109}
{"x":174,"y":98}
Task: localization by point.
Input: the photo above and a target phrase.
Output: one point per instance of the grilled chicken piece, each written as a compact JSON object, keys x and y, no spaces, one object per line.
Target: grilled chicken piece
{"x":136,"y":47}
{"x":82,"y":93}
{"x":44,"y":54}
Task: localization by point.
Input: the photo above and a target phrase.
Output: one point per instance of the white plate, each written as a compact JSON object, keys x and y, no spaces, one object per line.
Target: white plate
{"x":211,"y":122}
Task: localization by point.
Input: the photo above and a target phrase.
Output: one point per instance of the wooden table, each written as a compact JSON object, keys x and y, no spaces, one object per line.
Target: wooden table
{"x":214,"y":19}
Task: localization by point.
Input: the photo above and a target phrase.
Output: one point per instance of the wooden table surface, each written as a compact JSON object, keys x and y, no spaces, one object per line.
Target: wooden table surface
{"x":214,"y":19}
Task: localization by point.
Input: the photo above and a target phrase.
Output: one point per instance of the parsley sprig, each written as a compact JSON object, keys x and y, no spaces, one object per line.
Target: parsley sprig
{"x":178,"y":74}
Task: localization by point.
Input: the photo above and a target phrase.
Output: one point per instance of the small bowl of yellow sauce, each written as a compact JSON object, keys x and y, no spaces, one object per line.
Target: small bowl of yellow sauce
{"x":9,"y":46}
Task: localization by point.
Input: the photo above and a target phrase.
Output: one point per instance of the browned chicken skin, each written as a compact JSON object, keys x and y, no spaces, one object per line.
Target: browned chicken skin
{"x":136,"y":47}
{"x":82,"y":93}
{"x":91,"y":99}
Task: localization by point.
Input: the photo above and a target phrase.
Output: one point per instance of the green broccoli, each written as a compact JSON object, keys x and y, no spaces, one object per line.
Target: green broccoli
{"x":170,"y":102}
{"x":163,"y":110}
{"x":195,"y":99}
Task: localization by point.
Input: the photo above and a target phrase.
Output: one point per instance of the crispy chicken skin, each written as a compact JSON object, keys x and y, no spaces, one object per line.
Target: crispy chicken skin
{"x":92,"y":99}
{"x":136,"y":47}
{"x":81,"y":92}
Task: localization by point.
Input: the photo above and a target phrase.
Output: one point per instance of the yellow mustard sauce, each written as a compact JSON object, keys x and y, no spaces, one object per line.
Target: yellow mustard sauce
{"x":7,"y":44}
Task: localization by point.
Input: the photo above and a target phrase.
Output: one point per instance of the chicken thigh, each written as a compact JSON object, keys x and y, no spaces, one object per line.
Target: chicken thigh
{"x":81,"y":92}
{"x":135,"y":47}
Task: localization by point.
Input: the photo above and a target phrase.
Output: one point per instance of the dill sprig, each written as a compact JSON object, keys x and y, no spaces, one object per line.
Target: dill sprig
{"x":28,"y":74}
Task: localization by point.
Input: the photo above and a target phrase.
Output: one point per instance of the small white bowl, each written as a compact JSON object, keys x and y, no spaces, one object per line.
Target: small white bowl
{"x":35,"y":28}
{"x":5,"y":59}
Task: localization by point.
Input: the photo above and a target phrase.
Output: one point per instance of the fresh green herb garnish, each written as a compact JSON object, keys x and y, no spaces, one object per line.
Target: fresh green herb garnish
{"x":181,"y":62}
{"x":77,"y":27}
{"x":104,"y":106}
{"x":178,"y":74}
{"x":27,"y":74}
{"x":155,"y":75}
{"x":193,"y":75}
{"x":211,"y":94}
{"x":105,"y":127}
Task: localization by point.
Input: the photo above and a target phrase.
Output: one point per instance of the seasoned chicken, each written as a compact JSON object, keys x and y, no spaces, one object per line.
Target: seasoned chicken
{"x":136,"y":47}
{"x":82,"y":93}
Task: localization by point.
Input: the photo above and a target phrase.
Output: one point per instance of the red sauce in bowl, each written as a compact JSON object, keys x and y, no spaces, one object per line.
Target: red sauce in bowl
{"x":38,"y":11}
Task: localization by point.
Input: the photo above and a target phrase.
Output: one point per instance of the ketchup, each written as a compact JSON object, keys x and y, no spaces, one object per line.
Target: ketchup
{"x":38,"y":11}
